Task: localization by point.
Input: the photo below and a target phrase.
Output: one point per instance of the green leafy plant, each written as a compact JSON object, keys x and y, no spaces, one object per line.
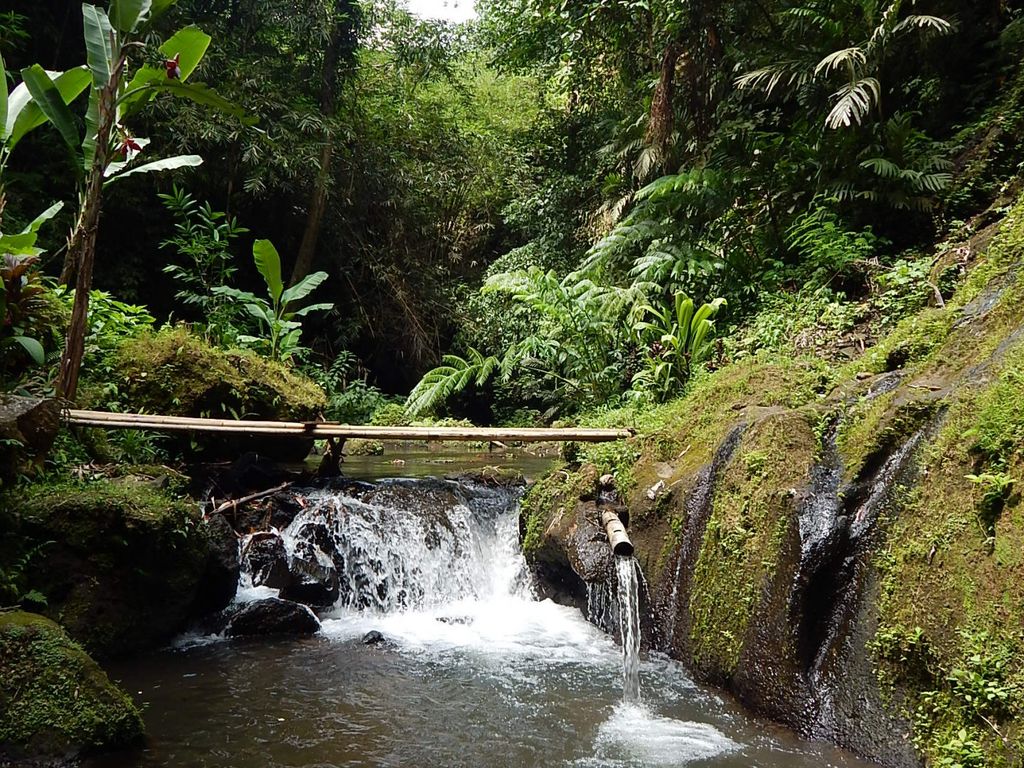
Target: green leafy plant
{"x":827,"y":249}
{"x":995,"y":489}
{"x":111,"y":324}
{"x":855,"y":68}
{"x":18,"y":554}
{"x":203,"y":238}
{"x":453,"y":375}
{"x":675,"y":340}
{"x":107,"y":150}
{"x":902,"y":288}
{"x":351,"y":399}
{"x":22,"y":292}
{"x":279,"y":322}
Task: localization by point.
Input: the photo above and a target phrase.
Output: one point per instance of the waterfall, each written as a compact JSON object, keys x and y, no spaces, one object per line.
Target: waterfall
{"x":404,"y":545}
{"x":629,"y":622}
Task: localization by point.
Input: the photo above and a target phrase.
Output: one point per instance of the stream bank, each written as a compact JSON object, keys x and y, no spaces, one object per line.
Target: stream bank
{"x":839,"y":544}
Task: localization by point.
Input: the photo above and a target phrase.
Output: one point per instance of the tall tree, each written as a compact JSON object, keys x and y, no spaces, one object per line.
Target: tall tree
{"x":338,"y":56}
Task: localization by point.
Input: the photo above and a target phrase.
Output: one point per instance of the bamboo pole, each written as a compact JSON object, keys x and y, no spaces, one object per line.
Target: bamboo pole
{"x":323,"y":430}
{"x":618,"y":539}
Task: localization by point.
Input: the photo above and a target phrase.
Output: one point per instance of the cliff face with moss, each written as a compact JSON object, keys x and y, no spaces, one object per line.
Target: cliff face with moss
{"x":842,"y":544}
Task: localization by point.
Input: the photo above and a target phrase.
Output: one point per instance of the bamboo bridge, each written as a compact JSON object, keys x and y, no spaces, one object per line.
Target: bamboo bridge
{"x":324,"y":430}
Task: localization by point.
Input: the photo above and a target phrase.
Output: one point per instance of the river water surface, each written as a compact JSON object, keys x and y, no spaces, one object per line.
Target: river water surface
{"x":478,"y":677}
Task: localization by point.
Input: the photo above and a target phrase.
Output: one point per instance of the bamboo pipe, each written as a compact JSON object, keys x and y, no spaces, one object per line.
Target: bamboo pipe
{"x":617,"y":536}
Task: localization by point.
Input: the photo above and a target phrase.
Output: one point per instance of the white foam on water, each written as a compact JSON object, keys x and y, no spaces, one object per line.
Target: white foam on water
{"x":500,"y":626}
{"x":635,"y":736}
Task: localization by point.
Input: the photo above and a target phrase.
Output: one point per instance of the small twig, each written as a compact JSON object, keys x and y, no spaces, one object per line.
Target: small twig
{"x":233,"y":503}
{"x":994,"y":729}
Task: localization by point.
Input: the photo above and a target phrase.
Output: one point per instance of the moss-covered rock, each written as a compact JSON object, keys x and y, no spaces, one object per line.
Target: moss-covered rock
{"x":119,"y":563}
{"x":55,"y":701}
{"x":176,"y":373}
{"x":896,"y":629}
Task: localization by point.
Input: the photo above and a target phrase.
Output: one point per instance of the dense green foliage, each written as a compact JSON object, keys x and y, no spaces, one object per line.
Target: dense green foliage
{"x":583,"y":167}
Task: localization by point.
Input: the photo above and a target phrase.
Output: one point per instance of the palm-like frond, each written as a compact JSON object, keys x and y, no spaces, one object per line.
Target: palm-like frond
{"x":854,"y":102}
{"x":452,"y":376}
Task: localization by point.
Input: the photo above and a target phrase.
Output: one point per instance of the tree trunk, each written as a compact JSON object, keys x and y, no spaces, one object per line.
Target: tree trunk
{"x":662,"y":123}
{"x":318,"y":198}
{"x":82,"y":247}
{"x":315,"y":216}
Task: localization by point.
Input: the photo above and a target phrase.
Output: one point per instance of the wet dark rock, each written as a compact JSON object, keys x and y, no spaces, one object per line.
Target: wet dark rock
{"x":375,"y":638}
{"x":312,"y":577}
{"x":265,"y":559}
{"x":491,"y":476}
{"x":31,"y":422}
{"x":219,"y":581}
{"x":587,"y":544}
{"x":250,"y":473}
{"x":271,"y":616}
{"x":284,"y":508}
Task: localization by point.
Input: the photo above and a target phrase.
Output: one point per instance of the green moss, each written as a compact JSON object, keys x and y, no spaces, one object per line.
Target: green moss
{"x":123,"y":561}
{"x":874,"y":428}
{"x":174,"y":372}
{"x":548,"y":498}
{"x":54,"y":699}
{"x":1000,"y":256}
{"x":913,"y":340}
{"x":959,"y":578}
{"x":752,"y":511}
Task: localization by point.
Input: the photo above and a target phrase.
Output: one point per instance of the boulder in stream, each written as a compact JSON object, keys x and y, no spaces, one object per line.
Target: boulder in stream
{"x":55,"y":702}
{"x":220,"y":575}
{"x":265,"y":559}
{"x":271,"y":616}
{"x":312,"y":577}
{"x":120,"y":564}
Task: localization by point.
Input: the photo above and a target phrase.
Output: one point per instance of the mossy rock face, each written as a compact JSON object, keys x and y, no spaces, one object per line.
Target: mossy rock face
{"x":55,"y":701}
{"x":175,"y":373}
{"x":120,"y":563}
{"x":899,"y":634}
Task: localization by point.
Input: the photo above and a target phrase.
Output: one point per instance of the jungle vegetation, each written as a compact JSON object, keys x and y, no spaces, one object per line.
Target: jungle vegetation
{"x":552,"y":209}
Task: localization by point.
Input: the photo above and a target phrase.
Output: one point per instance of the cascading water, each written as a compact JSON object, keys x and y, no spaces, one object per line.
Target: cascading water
{"x":629,"y":621}
{"x":467,"y":667}
{"x":400,"y":545}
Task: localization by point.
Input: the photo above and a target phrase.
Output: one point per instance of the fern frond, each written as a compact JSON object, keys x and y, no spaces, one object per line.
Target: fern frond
{"x":854,"y":102}
{"x":925,"y":23}
{"x":849,"y":58}
{"x":452,"y":376}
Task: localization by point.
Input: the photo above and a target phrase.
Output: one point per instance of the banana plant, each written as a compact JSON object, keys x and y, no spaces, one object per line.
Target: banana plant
{"x":107,"y":151}
{"x":19,"y":114}
{"x":282,"y":325}
{"x":676,"y":339}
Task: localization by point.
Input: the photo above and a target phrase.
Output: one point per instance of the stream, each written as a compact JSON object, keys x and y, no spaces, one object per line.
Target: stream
{"x":472,"y":670}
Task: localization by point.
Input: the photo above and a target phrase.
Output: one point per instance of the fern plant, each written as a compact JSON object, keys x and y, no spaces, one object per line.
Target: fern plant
{"x":576,"y":348}
{"x":853,"y":67}
{"x":451,"y":377}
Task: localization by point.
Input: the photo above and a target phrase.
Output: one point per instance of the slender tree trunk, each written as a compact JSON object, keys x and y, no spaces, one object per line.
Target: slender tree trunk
{"x":319,"y":195}
{"x":662,"y":123}
{"x":82,"y":248}
{"x":315,"y":215}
